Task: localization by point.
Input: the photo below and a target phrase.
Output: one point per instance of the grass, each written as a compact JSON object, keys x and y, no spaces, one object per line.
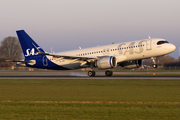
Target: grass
{"x":88,"y":111}
{"x":89,"y":99}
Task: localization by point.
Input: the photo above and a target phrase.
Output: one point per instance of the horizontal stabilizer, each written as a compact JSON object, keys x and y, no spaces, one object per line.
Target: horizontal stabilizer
{"x":19,"y":61}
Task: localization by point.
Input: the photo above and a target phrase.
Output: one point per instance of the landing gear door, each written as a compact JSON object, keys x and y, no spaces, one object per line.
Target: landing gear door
{"x":45,"y":61}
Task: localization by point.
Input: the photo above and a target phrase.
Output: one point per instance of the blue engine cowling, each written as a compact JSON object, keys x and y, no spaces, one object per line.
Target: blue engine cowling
{"x":106,"y":62}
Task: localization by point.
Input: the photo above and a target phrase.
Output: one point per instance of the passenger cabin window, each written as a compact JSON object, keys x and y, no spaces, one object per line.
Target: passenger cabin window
{"x":161,"y":42}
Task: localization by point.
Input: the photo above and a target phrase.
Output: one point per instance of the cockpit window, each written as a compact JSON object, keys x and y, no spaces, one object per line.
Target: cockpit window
{"x":161,"y":42}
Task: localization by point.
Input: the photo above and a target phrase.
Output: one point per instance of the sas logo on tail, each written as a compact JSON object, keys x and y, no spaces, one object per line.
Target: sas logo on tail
{"x":30,"y":52}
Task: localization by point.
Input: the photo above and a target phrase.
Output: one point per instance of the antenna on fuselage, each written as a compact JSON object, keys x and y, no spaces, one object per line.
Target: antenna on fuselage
{"x":50,"y":49}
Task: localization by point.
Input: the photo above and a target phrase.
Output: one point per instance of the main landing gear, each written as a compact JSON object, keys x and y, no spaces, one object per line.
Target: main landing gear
{"x":154,"y":62}
{"x":108,"y":73}
{"x":93,"y":73}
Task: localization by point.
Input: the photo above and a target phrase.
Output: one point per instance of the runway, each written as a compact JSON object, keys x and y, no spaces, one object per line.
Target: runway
{"x":96,"y":77}
{"x":83,"y":75}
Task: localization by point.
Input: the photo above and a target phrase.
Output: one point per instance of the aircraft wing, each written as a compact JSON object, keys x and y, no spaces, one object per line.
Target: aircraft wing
{"x":82,"y":58}
{"x":69,"y":57}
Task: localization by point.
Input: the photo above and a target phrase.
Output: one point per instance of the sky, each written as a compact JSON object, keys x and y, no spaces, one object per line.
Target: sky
{"x":67,"y":24}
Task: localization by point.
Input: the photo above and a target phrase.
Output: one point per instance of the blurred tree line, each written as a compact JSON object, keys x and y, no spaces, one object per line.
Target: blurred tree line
{"x":165,"y":60}
{"x":10,"y":49}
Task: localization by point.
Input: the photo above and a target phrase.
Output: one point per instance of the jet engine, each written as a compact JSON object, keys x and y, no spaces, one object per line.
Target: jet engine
{"x":131,"y":64}
{"x":106,"y":62}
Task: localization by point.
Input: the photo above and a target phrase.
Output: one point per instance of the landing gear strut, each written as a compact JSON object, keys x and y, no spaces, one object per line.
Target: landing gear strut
{"x":154,"y":62}
{"x":108,"y":73}
{"x":91,"y":73}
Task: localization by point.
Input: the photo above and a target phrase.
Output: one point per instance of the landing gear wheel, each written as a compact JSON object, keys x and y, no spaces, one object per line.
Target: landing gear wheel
{"x":154,"y":65}
{"x":91,"y":73}
{"x":154,"y":62}
{"x":108,"y":73}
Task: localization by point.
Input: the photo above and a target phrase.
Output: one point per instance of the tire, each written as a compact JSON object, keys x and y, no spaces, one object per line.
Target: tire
{"x":91,"y":73}
{"x":108,"y":73}
{"x":154,"y":65}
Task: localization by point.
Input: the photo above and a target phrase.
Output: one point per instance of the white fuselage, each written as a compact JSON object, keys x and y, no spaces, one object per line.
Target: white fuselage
{"x":126,"y":51}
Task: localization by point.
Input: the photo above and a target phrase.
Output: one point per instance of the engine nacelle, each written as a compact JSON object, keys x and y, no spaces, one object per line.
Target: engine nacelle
{"x":131,"y":64}
{"x":106,"y":62}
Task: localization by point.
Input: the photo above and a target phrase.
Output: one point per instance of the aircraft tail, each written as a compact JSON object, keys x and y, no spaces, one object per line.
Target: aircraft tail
{"x":29,"y":46}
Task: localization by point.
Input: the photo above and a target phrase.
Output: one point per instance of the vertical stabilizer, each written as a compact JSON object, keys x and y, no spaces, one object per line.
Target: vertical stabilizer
{"x":28,"y":45}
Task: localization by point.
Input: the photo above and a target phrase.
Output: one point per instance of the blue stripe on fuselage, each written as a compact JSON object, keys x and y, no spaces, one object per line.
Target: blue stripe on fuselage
{"x":39,"y":64}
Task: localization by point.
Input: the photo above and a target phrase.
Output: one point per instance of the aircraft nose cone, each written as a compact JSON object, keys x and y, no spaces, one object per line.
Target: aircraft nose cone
{"x":172,"y":47}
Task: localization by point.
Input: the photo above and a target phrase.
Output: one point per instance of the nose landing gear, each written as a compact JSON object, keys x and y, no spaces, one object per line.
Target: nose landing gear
{"x":154,"y":62}
{"x":154,"y":65}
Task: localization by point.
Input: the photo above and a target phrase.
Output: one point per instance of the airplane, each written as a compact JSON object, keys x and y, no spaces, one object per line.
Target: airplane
{"x":128,"y":55}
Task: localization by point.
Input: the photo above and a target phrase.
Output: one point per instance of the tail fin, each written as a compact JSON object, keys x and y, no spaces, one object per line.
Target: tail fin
{"x":28,"y":45}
